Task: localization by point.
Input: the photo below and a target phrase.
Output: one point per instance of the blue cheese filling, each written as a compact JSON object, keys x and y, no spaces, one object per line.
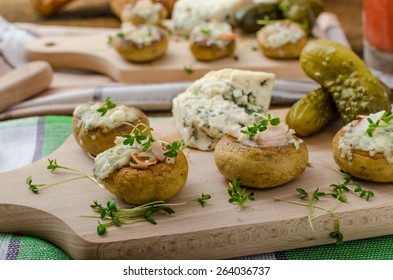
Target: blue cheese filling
{"x":91,"y":119}
{"x":356,"y":138}
{"x":212,"y":34}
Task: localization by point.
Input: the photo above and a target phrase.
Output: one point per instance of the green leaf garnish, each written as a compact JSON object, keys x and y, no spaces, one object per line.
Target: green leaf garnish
{"x":121,"y":216}
{"x":253,"y":129}
{"x":373,"y":126}
{"x":53,"y":166}
{"x":188,"y":69}
{"x":238,"y":194}
{"x":107,"y":106}
{"x":173,"y":148}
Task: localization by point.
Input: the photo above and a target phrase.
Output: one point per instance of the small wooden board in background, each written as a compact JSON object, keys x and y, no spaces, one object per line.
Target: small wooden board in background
{"x":93,"y":53}
{"x":216,"y":231}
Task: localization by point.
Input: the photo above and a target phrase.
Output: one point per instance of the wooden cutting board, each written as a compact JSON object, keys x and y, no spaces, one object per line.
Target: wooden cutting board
{"x":216,"y":231}
{"x":93,"y":53}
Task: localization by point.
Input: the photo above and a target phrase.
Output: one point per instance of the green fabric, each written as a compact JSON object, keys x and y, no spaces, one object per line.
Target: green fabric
{"x":379,"y":248}
{"x":63,"y":128}
{"x":36,"y":249}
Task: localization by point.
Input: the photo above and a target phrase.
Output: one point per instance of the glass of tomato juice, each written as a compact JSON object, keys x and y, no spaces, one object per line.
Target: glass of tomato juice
{"x":378,"y":34}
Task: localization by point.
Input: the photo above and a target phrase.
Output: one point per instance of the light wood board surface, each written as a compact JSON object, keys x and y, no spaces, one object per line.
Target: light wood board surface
{"x":216,"y":231}
{"x":93,"y":53}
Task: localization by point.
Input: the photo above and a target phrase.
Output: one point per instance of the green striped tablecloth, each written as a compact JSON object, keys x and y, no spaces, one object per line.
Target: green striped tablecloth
{"x":26,"y":140}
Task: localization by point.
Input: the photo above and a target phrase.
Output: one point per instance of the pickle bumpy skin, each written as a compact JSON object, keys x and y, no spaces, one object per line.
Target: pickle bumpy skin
{"x":344,"y":75}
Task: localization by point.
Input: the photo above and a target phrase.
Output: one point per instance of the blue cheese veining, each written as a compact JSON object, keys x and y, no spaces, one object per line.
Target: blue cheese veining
{"x":92,"y":119}
{"x":134,"y":156}
{"x":219,"y":101}
{"x":111,"y":160}
{"x":355,"y":138}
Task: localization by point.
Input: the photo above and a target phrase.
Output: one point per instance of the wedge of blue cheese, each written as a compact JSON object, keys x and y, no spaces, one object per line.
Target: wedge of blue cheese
{"x":221,"y":101}
{"x":189,"y":13}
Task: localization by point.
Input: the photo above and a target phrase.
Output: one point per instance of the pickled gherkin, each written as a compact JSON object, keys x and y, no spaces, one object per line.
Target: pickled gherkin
{"x":247,"y":17}
{"x":311,"y":113}
{"x":345,"y":76}
{"x":301,"y":11}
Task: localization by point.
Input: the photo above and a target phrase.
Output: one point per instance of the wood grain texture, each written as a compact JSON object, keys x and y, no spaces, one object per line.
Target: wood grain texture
{"x":24,"y":82}
{"x":215,"y":232}
{"x":93,"y":53}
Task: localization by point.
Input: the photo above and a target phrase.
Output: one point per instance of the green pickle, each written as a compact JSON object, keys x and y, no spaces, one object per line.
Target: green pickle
{"x":301,"y":11}
{"x":311,"y":113}
{"x":247,"y":17}
{"x":345,"y":76}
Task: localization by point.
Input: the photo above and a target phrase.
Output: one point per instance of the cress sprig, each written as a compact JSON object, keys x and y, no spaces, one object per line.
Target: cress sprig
{"x":53,"y":166}
{"x":238,"y":194}
{"x":121,"y":216}
{"x":108,"y":105}
{"x":138,"y":135}
{"x":174,"y":148}
{"x":372,"y":126}
{"x":340,"y":189}
{"x":311,"y":200}
{"x":253,"y":129}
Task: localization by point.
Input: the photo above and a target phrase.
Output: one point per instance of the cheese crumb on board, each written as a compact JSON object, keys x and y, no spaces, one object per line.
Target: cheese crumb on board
{"x":189,"y":13}
{"x":220,"y":101}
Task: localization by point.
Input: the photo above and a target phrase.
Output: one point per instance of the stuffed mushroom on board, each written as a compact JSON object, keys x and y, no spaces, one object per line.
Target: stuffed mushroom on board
{"x":96,"y":132}
{"x":282,"y":39}
{"x":144,"y":12}
{"x":364,"y":148}
{"x":141,"y":44}
{"x":212,"y":40}
{"x":142,"y":171}
{"x":263,"y":155}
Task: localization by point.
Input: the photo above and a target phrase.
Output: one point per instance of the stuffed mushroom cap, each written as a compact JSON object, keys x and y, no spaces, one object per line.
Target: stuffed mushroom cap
{"x":139,"y":176}
{"x":365,"y":151}
{"x":141,"y":44}
{"x":270,"y":158}
{"x":212,"y":40}
{"x":96,"y":133}
{"x":282,"y":39}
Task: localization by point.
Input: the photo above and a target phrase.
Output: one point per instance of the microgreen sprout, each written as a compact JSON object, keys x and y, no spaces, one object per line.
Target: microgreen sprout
{"x":188,"y":69}
{"x":53,"y":166}
{"x":253,"y":129}
{"x":238,"y":194}
{"x":374,"y":125}
{"x":340,"y":189}
{"x":206,"y":31}
{"x":118,"y":216}
{"x":311,"y":200}
{"x":144,"y":137}
{"x":107,"y":106}
{"x":173,"y":148}
{"x":139,"y":136}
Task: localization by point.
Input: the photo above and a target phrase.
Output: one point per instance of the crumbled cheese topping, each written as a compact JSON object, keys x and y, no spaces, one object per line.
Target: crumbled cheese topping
{"x":355,"y":138}
{"x":279,"y":33}
{"x":189,"y":13}
{"x":92,"y":119}
{"x":142,"y":35}
{"x":125,"y":155}
{"x":213,"y":33}
{"x":149,"y":12}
